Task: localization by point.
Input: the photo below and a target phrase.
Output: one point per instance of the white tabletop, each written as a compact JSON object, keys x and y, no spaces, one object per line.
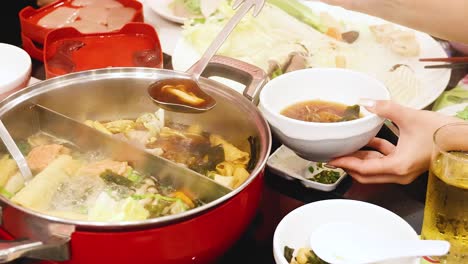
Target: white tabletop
{"x":168,"y":32}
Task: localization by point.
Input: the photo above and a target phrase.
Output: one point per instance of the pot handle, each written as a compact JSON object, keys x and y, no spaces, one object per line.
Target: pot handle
{"x":56,"y":249}
{"x":253,"y":77}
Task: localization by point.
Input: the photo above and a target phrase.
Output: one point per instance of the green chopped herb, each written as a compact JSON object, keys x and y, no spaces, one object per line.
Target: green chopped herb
{"x":326,"y":177}
{"x":320,"y":165}
{"x":288,"y":253}
{"x":311,"y":169}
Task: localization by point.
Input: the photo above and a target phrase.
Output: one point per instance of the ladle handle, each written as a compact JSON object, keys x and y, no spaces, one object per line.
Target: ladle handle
{"x":253,"y":77}
{"x":57,"y":249}
{"x":200,"y":66}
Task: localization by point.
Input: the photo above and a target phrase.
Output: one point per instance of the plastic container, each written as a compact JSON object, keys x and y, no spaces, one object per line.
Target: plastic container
{"x":33,"y":34}
{"x":67,"y":50}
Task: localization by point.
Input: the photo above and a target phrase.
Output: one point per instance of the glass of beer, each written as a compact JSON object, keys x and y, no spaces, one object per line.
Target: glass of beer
{"x":446,"y":208}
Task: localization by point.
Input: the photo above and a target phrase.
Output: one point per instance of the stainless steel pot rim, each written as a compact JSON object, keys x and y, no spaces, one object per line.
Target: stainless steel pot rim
{"x":138,"y":72}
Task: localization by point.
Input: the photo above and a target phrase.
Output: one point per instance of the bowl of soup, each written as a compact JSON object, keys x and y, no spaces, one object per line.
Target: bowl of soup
{"x":315,"y":111}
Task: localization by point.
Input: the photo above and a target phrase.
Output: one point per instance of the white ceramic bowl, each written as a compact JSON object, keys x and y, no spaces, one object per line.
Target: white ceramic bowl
{"x":322,"y":141}
{"x":295,"y":228}
{"x":15,"y":69}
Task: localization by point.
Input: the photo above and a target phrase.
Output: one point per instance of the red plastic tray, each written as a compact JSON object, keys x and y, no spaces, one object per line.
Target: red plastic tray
{"x":36,"y":34}
{"x":135,"y":45}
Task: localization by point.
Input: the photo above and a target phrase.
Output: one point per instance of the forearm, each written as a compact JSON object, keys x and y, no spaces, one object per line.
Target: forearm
{"x":444,"y":19}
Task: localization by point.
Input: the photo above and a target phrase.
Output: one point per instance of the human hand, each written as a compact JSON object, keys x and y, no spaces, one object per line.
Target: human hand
{"x":401,"y":163}
{"x":380,"y":8}
{"x":413,"y":14}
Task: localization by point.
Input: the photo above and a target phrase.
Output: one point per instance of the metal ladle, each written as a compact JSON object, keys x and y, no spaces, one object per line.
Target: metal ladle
{"x":15,"y":153}
{"x":196,"y":100}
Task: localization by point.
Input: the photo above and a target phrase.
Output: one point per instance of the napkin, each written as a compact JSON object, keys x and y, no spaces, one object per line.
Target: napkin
{"x":457,"y":95}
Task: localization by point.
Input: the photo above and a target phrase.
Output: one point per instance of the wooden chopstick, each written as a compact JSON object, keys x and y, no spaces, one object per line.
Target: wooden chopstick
{"x":449,"y":59}
{"x":460,"y":65}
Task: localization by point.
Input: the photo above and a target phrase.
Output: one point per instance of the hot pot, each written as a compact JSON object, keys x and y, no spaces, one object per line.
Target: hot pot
{"x":201,"y":236}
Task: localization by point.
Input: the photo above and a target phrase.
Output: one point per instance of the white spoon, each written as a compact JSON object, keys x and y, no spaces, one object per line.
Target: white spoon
{"x":350,"y":243}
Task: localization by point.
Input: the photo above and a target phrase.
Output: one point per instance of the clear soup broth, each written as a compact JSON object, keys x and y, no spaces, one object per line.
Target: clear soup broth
{"x":322,"y":111}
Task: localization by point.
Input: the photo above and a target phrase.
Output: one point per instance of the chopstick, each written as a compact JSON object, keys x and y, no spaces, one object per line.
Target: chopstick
{"x":449,"y":59}
{"x":455,"y":62}
{"x":460,"y":65}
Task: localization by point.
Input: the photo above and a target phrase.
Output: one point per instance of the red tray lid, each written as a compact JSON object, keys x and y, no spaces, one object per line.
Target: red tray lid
{"x":89,"y":16}
{"x":67,"y":50}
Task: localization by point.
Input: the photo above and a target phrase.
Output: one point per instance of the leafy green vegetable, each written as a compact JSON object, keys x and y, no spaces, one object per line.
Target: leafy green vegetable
{"x":288,"y":253}
{"x":277,"y":34}
{"x":276,"y":73}
{"x":314,"y":259}
{"x":112,"y":177}
{"x":303,"y":253}
{"x":254,"y":147}
{"x":192,"y":6}
{"x":5,"y":193}
{"x":24,"y":147}
{"x":107,"y":209}
{"x":198,"y":20}
{"x":463,"y":114}
{"x":214,"y":155}
{"x":160,"y":203}
{"x":351,"y":113}
{"x":311,"y":169}
{"x":301,"y":12}
{"x":133,"y":175}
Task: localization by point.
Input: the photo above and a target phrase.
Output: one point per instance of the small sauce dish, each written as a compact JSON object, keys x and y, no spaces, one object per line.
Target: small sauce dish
{"x":322,"y":141}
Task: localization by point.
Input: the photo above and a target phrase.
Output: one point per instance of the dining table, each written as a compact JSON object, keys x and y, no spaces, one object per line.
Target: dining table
{"x":280,"y":195}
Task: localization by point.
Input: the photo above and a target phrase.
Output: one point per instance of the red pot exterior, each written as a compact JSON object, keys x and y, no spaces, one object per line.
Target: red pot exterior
{"x":202,"y":239}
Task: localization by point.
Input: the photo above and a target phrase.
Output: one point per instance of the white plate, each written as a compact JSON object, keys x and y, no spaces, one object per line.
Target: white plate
{"x":453,"y":109}
{"x":161,"y":7}
{"x":434,"y":81}
{"x":287,"y":164}
{"x":295,"y":228}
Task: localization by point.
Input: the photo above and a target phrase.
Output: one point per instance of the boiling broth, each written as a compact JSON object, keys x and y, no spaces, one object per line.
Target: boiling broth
{"x":179,"y":91}
{"x":322,"y":111}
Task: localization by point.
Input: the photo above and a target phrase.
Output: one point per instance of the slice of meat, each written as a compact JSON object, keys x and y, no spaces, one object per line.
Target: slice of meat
{"x":41,"y":156}
{"x":94,"y":14}
{"x":298,"y":61}
{"x":98,"y":167}
{"x":59,"y":17}
{"x":118,"y":17}
{"x":404,"y":43}
{"x":100,"y":3}
{"x":138,"y":137}
{"x":85,"y":26}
